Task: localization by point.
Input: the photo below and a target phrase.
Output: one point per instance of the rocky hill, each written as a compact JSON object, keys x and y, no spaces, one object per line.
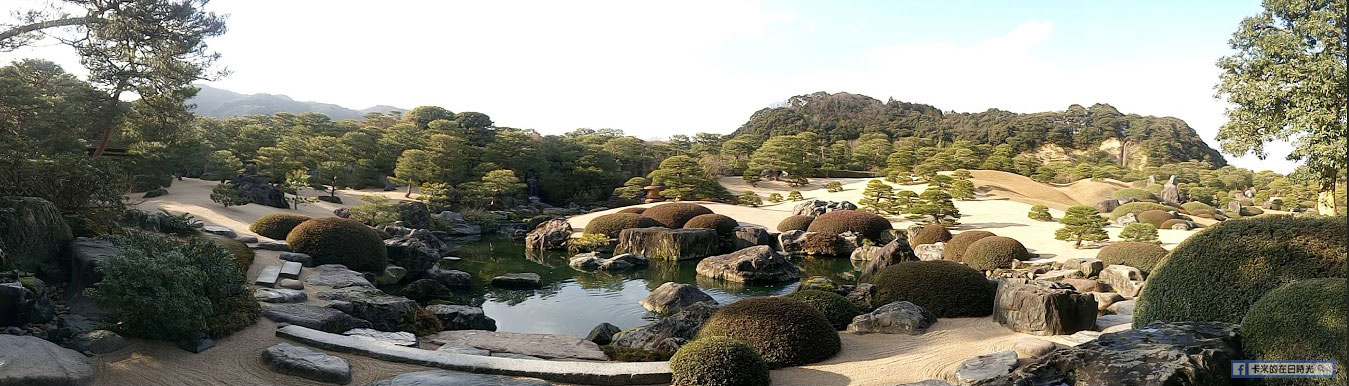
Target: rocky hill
{"x":221,"y":103}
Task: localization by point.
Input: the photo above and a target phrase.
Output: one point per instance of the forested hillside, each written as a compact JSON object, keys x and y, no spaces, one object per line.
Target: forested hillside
{"x":844,"y":116}
{"x":221,"y":103}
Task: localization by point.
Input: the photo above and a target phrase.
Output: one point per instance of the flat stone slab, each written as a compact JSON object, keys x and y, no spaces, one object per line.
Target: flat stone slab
{"x":985,"y":367}
{"x":291,"y":270}
{"x":29,"y":360}
{"x":294,"y":360}
{"x":442,"y":377}
{"x":246,"y":239}
{"x":279,"y":295}
{"x":336,"y":276}
{"x":269,"y":275}
{"x":517,"y":280}
{"x":290,"y":284}
{"x":460,"y":348}
{"x":273,"y":246}
{"x":315,"y":317}
{"x":1106,"y":321}
{"x":547,"y":346}
{"x":219,"y":230}
{"x":586,"y":373}
{"x":301,"y":258}
{"x":397,"y":338}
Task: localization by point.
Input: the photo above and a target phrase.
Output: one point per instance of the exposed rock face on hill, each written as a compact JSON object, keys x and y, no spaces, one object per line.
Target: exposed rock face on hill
{"x":221,"y":103}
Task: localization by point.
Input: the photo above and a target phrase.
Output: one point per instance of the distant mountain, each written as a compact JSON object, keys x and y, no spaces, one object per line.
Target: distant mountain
{"x":221,"y":103}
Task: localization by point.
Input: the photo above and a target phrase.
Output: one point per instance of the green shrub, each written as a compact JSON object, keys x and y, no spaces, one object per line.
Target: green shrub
{"x":795,"y":223}
{"x":833,"y":187}
{"x":1196,"y":205}
{"x":1136,"y":208}
{"x":629,"y":354}
{"x":674,"y":215}
{"x":242,"y":254}
{"x":636,"y":209}
{"x":1154,"y":217}
{"x":718,"y":361}
{"x":995,"y":252}
{"x":775,"y":198}
{"x":1139,"y":232}
{"x":869,"y":225}
{"x":954,"y":249}
{"x":1142,"y":255}
{"x":1040,"y":213}
{"x":612,"y":224}
{"x":929,"y":234}
{"x":786,"y":332}
{"x":1170,"y":223}
{"x":1135,"y":193}
{"x":947,"y":289}
{"x":1303,"y":320}
{"x":1251,"y":211}
{"x":277,"y":226}
{"x":1216,"y":275}
{"x":749,"y":198}
{"x":159,"y":287}
{"x":823,"y":244}
{"x":376,"y":210}
{"x":588,"y":242}
{"x":724,"y":225}
{"x":90,"y":188}
{"x":178,"y":224}
{"x":420,"y":322}
{"x":835,"y":307}
{"x":333,"y":240}
{"x":795,"y":196}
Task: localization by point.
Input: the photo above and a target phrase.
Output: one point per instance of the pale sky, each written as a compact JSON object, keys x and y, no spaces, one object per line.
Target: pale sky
{"x":653,"y":69}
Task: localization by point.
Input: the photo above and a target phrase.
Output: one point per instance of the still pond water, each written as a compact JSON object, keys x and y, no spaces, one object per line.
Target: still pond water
{"x":573,"y":302}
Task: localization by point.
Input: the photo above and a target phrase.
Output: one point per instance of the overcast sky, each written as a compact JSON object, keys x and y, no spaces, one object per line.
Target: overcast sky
{"x":653,"y":69}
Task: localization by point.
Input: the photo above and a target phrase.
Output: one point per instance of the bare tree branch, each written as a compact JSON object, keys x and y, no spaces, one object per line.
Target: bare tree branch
{"x":23,"y":29}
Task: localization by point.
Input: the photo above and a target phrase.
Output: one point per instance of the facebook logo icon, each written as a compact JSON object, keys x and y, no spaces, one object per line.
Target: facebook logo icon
{"x":1283,"y":369}
{"x":1239,"y":369}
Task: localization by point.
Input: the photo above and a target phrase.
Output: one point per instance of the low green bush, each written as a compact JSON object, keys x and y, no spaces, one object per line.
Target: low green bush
{"x":1302,"y":320}
{"x":588,"y":242}
{"x":1196,"y":205}
{"x":674,"y":215}
{"x":929,"y":234}
{"x":945,"y":288}
{"x":955,"y":248}
{"x":276,"y":226}
{"x":612,"y":224}
{"x":995,"y":252}
{"x":1172,"y":222}
{"x":723,"y":224}
{"x":784,"y":331}
{"x":1136,"y":208}
{"x":869,"y":225}
{"x":376,"y":210}
{"x":795,"y":196}
{"x":1139,"y":231}
{"x":835,"y":307}
{"x":1137,"y":254}
{"x":775,"y":198}
{"x":1251,"y":211}
{"x":833,"y":187}
{"x":637,"y":210}
{"x":823,"y":244}
{"x":1135,"y":193}
{"x":718,"y":361}
{"x":420,"y":322}
{"x":243,"y":255}
{"x":795,"y":223}
{"x":1154,"y":217}
{"x":1216,"y":275}
{"x":1040,"y":213}
{"x":334,"y":240}
{"x":749,"y":198}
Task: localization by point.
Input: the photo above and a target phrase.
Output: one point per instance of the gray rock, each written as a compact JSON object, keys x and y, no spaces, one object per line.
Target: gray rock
{"x":985,"y":367}
{"x":671,"y":296}
{"x":1126,"y":219}
{"x":414,"y":214}
{"x":670,"y":332}
{"x":391,"y":275}
{"x":1042,"y":308}
{"x":1061,"y":274}
{"x":87,"y":253}
{"x":668,"y":244}
{"x":819,"y":207}
{"x":279,"y":295}
{"x":303,"y":259}
{"x":425,"y":290}
{"x":928,"y":252}
{"x":1105,"y":299}
{"x":1106,"y":321}
{"x":759,"y":264}
{"x":290,"y":284}
{"x":384,"y":312}
{"x":336,"y":276}
{"x":396,"y":338}
{"x":1030,"y":348}
{"x":1182,"y":226}
{"x":1125,"y":307}
{"x":1125,"y":280}
{"x":29,"y":360}
{"x":895,"y":318}
{"x":861,"y":296}
{"x":930,"y":382}
{"x":97,"y":342}
{"x":552,"y":234}
{"x":865,"y":253}
{"x":442,"y":377}
{"x":196,"y":343}
{"x":348,"y":293}
{"x":412,"y":253}
{"x":258,"y":189}
{"x":746,"y":236}
{"x":219,"y":230}
{"x":1107,"y":206}
{"x":1081,"y":337}
{"x":291,"y":270}
{"x":592,"y":262}
{"x":315,"y":317}
{"x":1170,"y":192}
{"x":16,"y":304}
{"x":450,"y":278}
{"x":342,"y":212}
{"x":1083,"y":285}
{"x":603,"y":333}
{"x":547,"y":346}
{"x":294,"y":360}
{"x":455,"y":317}
{"x":793,"y":242}
{"x":456,"y":225}
{"x":460,"y":348}
{"x":34,"y":236}
{"x":269,"y":275}
{"x":273,"y":245}
{"x":1186,"y":353}
{"x":515,"y":356}
{"x":894,"y":252}
{"x":1087,"y":265}
{"x":246,"y":239}
{"x":517,"y":280}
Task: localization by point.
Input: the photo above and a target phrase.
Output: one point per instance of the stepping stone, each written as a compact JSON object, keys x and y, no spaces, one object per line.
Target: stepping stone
{"x":985,"y":367}
{"x":246,"y":239}
{"x":546,"y":346}
{"x":301,"y":258}
{"x":460,"y":348}
{"x":398,"y":338}
{"x":290,"y":284}
{"x":273,"y":246}
{"x":291,"y":270}
{"x":270,"y":274}
{"x":279,"y":295}
{"x":314,"y":317}
{"x":294,"y":360}
{"x":336,"y":276}
{"x":219,"y":230}
{"x":517,"y":280}
{"x":444,"y":377}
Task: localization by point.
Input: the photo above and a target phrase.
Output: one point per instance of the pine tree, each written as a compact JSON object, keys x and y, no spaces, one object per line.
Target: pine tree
{"x":749,"y":198}
{"x":1139,"y":232}
{"x":935,"y":205}
{"x":795,"y":196}
{"x":227,"y":194}
{"x":1040,"y":213}
{"x":877,"y":197}
{"x":683,"y":179}
{"x":1082,"y":223}
{"x":962,"y":189}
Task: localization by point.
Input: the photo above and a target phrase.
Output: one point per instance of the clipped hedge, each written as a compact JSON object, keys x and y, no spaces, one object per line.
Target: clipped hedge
{"x":947,"y":289}
{"x":1303,"y":320}
{"x":869,"y":225}
{"x":795,"y":223}
{"x":718,"y":361}
{"x":1251,"y":211}
{"x":835,"y":307}
{"x":243,"y":255}
{"x":1135,"y":193}
{"x":823,"y":244}
{"x":1155,"y":217}
{"x":611,"y":224}
{"x":674,"y":215}
{"x":1172,"y":222}
{"x":276,"y":226}
{"x":930,"y":233}
{"x":1138,"y":254}
{"x":1196,"y":205}
{"x":724,"y":225}
{"x":1136,"y":208}
{"x":784,"y":331}
{"x":995,"y":252}
{"x":1217,"y":274}
{"x":955,"y":248}
{"x":335,"y":240}
{"x":636,"y":209}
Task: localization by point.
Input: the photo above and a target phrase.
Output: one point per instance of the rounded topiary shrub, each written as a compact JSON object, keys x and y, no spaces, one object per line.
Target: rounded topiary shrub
{"x":1196,"y":205}
{"x":1303,"y":320}
{"x":637,"y":210}
{"x":1137,"y":254}
{"x":954,"y":249}
{"x":1217,"y":274}
{"x":277,"y":226}
{"x":994,"y":252}
{"x":823,"y":244}
{"x":243,"y":255}
{"x":675,"y":214}
{"x":1135,"y":193}
{"x":718,"y":361}
{"x":1155,"y":217}
{"x":947,"y":289}
{"x":784,"y":331}
{"x":1172,"y":222}
{"x":335,"y":240}
{"x":1251,"y":211}
{"x":1136,"y":208}
{"x":795,"y":223}
{"x":835,"y":307}
{"x":868,"y":225}
{"x":724,"y":225}
{"x":611,"y":224}
{"x":930,"y":233}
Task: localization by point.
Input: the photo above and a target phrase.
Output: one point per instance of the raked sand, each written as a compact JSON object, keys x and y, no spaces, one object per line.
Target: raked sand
{"x":875,"y":359}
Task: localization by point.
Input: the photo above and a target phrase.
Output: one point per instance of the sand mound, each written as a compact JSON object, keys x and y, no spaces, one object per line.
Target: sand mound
{"x":1024,"y":189}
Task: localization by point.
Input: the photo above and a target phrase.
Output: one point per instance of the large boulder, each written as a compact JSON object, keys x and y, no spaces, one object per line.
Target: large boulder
{"x":32,"y":361}
{"x":384,"y":312}
{"x":1090,"y":267}
{"x":928,"y":252}
{"x":669,"y":244}
{"x":146,"y":220}
{"x":443,"y":377}
{"x":336,"y":276}
{"x":895,"y":318}
{"x":294,"y":360}
{"x":552,"y":234}
{"x":1171,"y":193}
{"x":1126,"y":280}
{"x":414,"y":214}
{"x":34,"y":235}
{"x":413,"y":254}
{"x":593,"y":262}
{"x":746,"y":236}
{"x":1107,"y":206}
{"x":819,"y":207}
{"x":1042,"y":307}
{"x":450,"y":278}
{"x":315,"y":317}
{"x":1183,"y":353}
{"x":456,"y":225}
{"x":672,"y":296}
{"x":454,"y":317}
{"x":97,"y":342}
{"x":985,"y":367}
{"x":668,"y":333}
{"x":894,"y":252}
{"x":259,"y":190}
{"x":793,"y":242}
{"x":16,"y":304}
{"x":760,"y":264}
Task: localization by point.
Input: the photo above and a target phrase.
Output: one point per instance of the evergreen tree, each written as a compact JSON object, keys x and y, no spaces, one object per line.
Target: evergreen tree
{"x":632,"y":189}
{"x":1082,"y":223}
{"x":962,"y":189}
{"x":876,"y":198}
{"x":784,"y":154}
{"x":415,"y":167}
{"x":225,"y":193}
{"x":1139,"y":232}
{"x":749,"y":198}
{"x":795,"y":196}
{"x":1040,"y":213}
{"x":935,"y":205}
{"x":496,"y":188}
{"x":683,"y":179}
